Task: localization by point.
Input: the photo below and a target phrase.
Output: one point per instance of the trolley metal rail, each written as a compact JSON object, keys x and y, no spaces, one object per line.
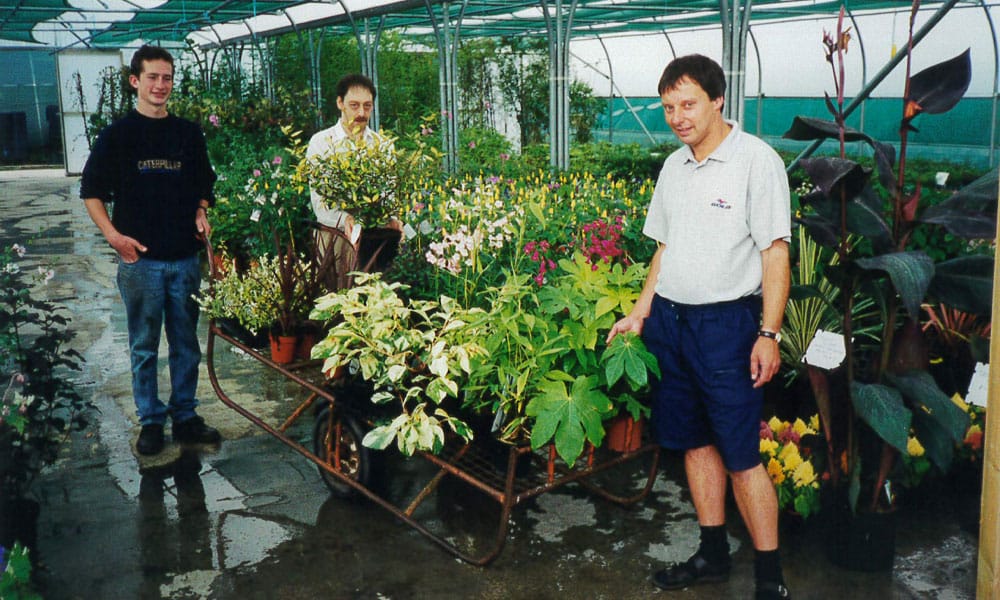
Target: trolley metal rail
{"x":345,"y":465}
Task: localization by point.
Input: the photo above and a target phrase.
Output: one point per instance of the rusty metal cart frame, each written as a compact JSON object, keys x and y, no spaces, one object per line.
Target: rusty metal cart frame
{"x":462,"y":461}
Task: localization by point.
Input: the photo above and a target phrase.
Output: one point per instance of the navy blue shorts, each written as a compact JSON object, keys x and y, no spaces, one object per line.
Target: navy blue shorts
{"x":705,"y":396}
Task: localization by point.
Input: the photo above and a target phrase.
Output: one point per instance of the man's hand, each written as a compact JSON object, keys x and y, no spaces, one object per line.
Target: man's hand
{"x":201,"y":223}
{"x":394,"y":223}
{"x":127,"y":248}
{"x":765,"y":360}
{"x":630,"y":323}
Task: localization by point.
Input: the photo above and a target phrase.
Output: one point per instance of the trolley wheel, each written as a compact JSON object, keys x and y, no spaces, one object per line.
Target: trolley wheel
{"x":355,"y":459}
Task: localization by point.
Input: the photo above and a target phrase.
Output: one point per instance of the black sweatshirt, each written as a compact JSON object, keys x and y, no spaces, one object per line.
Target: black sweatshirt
{"x":155,"y":171}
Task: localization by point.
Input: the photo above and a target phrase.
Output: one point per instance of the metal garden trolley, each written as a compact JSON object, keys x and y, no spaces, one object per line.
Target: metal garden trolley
{"x":342,"y":412}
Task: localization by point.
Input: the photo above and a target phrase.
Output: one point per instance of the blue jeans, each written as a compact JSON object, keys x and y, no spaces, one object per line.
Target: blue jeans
{"x":157,"y":295}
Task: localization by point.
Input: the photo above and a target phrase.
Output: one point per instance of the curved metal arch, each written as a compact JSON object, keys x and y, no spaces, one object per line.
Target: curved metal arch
{"x":760,"y":80}
{"x":611,"y":89}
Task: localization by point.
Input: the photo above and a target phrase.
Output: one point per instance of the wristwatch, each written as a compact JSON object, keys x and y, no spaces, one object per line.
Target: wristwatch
{"x":774,"y":335}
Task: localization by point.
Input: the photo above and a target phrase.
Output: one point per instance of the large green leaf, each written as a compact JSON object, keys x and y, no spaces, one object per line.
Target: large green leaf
{"x":965,"y":283}
{"x":910,"y":272}
{"x":627,"y":355}
{"x":569,"y":416}
{"x":882,"y":408}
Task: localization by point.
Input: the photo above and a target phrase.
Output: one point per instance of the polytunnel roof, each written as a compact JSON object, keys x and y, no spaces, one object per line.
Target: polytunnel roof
{"x":117,"y":23}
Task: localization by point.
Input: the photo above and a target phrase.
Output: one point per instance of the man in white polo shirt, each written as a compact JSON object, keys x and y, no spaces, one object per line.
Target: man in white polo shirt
{"x":710,"y":311}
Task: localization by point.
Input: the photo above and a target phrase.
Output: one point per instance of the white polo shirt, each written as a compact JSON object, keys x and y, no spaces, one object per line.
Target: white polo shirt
{"x":332,"y":139}
{"x":715,"y":217}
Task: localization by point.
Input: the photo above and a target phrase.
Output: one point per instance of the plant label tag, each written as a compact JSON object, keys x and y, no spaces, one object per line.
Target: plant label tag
{"x":979,"y":385}
{"x":255,"y":215}
{"x":826,"y":350}
{"x":355,"y":233}
{"x":409,"y":232}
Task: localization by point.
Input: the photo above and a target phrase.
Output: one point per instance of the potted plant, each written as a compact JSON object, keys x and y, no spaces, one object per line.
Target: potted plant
{"x":787,"y":452}
{"x":39,"y":404}
{"x":417,"y":356}
{"x":886,"y":387}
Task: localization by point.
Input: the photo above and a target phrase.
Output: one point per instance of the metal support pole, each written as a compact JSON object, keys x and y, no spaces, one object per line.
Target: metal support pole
{"x":735,"y":19}
{"x":448,"y":36}
{"x":559,"y":27}
{"x":611,"y":91}
{"x":996,"y":82}
{"x":882,"y":74}
{"x":760,"y":83}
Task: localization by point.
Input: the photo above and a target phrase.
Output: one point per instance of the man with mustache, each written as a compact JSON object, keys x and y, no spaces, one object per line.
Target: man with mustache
{"x":355,"y":100}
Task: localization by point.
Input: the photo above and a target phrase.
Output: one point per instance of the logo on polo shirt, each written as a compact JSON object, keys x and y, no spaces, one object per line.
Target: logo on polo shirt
{"x":720,"y":203}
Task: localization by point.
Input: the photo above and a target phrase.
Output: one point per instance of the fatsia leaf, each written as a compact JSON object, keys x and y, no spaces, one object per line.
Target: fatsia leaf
{"x":910,"y":272}
{"x":882,"y":408}
{"x":938,"y":89}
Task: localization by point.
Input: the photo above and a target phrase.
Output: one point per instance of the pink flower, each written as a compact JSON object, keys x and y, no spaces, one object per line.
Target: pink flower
{"x":426,"y":131}
{"x":504,"y":156}
{"x":276,"y":160}
{"x":256,"y":172}
{"x":472,"y":144}
{"x":214,"y":120}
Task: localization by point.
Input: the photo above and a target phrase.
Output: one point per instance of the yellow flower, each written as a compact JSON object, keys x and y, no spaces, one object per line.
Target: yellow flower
{"x":814,"y":422}
{"x":768,"y":446}
{"x":804,"y":475}
{"x":800,"y":427}
{"x":776,"y":425}
{"x":790,"y":456}
{"x":775,"y":471}
{"x":914,"y":448}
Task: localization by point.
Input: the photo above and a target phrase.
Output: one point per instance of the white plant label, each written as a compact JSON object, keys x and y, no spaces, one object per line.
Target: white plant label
{"x":826,"y":350}
{"x":979,"y":385}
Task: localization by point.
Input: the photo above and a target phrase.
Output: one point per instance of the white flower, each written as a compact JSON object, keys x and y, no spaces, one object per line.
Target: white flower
{"x":19,"y":250}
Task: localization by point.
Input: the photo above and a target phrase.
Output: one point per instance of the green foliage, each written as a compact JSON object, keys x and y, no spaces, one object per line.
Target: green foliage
{"x":416,"y":354}
{"x":40,"y":404}
{"x":15,"y":574}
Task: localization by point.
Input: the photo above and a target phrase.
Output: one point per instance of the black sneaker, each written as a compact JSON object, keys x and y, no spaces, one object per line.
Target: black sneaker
{"x":194,"y":431}
{"x":769,"y":590}
{"x":150,"y":440}
{"x":696,"y":570}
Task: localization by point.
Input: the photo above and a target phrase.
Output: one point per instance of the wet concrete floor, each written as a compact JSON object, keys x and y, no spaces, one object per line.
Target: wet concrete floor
{"x":252,"y":518}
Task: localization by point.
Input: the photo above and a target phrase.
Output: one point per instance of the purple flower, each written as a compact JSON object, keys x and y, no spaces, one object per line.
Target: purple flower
{"x":214,"y":120}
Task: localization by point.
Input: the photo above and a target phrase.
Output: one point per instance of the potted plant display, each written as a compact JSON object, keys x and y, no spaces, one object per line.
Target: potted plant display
{"x":884,"y":385}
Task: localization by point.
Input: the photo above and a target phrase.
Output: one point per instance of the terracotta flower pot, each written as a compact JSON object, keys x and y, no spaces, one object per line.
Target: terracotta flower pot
{"x":304,"y":344}
{"x":283,"y":348}
{"x":624,"y":434}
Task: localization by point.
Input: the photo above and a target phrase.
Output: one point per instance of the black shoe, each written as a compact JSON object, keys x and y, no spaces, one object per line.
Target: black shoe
{"x":150,"y":440}
{"x":769,"y":590}
{"x":695,"y":570}
{"x":194,"y":431}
